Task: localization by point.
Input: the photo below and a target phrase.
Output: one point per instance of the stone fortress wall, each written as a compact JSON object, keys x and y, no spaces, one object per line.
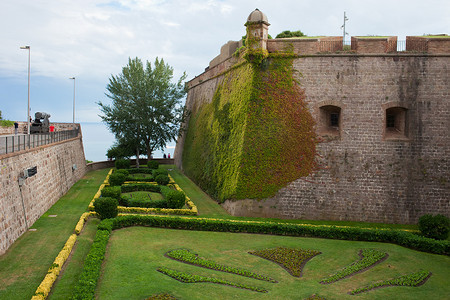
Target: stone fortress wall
{"x":385,"y":157}
{"x":59,"y":166}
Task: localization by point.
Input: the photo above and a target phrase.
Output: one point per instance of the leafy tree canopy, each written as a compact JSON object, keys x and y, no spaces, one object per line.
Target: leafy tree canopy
{"x":145,"y":112}
{"x":290,"y":34}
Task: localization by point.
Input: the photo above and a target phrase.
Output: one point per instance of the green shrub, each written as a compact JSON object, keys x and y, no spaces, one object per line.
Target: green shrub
{"x":111,"y":191}
{"x":140,"y":187}
{"x":117,"y":179}
{"x":85,"y":287}
{"x":122,"y":171}
{"x":397,"y":237}
{"x":140,"y":170}
{"x":153,"y":164}
{"x":106,"y":207}
{"x":122,"y":164}
{"x":435,"y":227}
{"x":175,"y":199}
{"x":160,"y":172}
{"x":162,"y":179}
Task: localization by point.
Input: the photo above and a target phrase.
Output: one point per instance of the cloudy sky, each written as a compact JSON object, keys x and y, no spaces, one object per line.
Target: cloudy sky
{"x":92,"y":39}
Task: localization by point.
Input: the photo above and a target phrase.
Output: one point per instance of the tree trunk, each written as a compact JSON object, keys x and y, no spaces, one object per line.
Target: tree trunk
{"x":137,"y":157}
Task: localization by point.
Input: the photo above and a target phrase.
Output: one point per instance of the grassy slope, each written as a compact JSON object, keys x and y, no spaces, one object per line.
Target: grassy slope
{"x":25,"y":264}
{"x":135,"y":253}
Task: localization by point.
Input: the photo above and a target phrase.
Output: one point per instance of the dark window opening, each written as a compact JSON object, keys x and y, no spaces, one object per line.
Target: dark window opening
{"x":396,"y":120}
{"x":329,"y":121}
{"x":390,"y":120}
{"x":334,"y":119}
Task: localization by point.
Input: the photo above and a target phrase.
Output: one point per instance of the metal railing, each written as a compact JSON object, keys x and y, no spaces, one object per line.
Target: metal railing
{"x":15,"y":143}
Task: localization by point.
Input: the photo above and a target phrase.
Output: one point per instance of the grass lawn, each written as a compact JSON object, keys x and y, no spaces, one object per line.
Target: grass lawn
{"x":26,"y":262}
{"x":134,"y":254}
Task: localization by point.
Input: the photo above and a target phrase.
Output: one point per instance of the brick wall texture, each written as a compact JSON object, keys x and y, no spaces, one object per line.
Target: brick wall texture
{"x":367,"y":175}
{"x":54,"y":178}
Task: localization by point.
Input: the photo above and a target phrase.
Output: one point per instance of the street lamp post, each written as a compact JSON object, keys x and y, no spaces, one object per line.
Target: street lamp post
{"x":28,"y":110}
{"x":73,"y":99}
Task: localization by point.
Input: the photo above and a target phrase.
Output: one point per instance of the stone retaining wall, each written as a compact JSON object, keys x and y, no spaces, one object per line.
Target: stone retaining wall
{"x":59,"y":166}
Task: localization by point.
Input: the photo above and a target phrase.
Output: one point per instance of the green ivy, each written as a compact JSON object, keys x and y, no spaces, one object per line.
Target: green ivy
{"x":255,"y":136}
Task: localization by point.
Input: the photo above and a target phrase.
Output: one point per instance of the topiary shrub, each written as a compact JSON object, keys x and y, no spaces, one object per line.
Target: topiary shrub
{"x":153,"y":164}
{"x":436,"y":227}
{"x":122,"y":164}
{"x":175,"y":199}
{"x":111,"y":191}
{"x":122,"y":171}
{"x":162,"y":179}
{"x":106,"y":207}
{"x":117,"y":179}
{"x":160,"y":172}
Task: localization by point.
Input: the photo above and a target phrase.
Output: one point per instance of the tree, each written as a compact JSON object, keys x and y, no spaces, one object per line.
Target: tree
{"x":290,"y":34}
{"x":145,"y":111}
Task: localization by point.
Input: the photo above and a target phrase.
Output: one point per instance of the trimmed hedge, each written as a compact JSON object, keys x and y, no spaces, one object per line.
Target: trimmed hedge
{"x":160,"y":172}
{"x":122,"y":164}
{"x":162,"y":179}
{"x":106,"y":207}
{"x":140,"y":170}
{"x":401,"y":238}
{"x":140,"y":187}
{"x":153,"y":164}
{"x":85,"y":288}
{"x":111,"y":191}
{"x":435,"y":227}
{"x":175,"y":199}
{"x":117,"y":178}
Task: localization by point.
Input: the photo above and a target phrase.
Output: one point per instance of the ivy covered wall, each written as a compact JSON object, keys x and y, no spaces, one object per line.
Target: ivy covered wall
{"x":254,"y":137}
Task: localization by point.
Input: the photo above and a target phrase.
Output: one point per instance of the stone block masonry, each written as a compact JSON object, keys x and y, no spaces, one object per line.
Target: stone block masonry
{"x":59,"y":166}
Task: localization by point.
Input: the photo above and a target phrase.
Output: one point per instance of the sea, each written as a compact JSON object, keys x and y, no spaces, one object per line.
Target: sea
{"x":97,"y":139}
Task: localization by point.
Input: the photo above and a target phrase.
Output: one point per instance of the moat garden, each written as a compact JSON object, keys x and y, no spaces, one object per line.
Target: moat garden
{"x":161,"y":247}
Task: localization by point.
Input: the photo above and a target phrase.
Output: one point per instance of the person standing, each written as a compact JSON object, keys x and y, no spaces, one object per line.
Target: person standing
{"x":16,"y":127}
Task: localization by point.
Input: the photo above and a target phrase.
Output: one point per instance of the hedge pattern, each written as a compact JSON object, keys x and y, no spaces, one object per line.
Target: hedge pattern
{"x":192,"y":278}
{"x":398,"y":237}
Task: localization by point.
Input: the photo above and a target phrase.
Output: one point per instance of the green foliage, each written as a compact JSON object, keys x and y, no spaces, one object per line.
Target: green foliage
{"x":186,"y":256}
{"x":145,"y":110}
{"x":6,"y":123}
{"x":157,"y":172}
{"x":175,"y":199}
{"x":293,"y":260}
{"x":290,"y":34}
{"x":153,"y":164}
{"x":140,"y":170}
{"x":122,"y":164}
{"x":192,"y":278}
{"x":369,"y":257}
{"x":111,"y":191}
{"x":122,"y":171}
{"x":162,"y":179}
{"x":117,"y":179}
{"x":401,"y":238}
{"x":140,"y":177}
{"x":140,"y":187}
{"x":256,"y":135}
{"x":413,"y":279}
{"x":435,"y":227}
{"x":106,"y":207}
{"x":85,"y":287}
